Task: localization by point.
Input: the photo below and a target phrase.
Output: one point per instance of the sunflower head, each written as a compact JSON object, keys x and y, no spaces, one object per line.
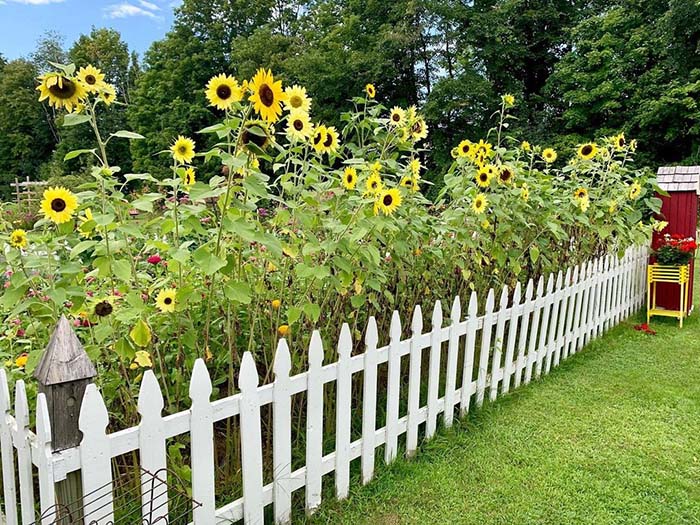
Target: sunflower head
{"x":370,"y":91}
{"x":165,"y":301}
{"x":525,"y":145}
{"x":183,"y":150}
{"x":397,"y":116}
{"x":635,"y":191}
{"x":387,"y":201}
{"x":508,"y":100}
{"x":222,"y":91}
{"x":297,"y":99}
{"x":91,"y":78}
{"x":483,"y":177}
{"x":299,"y":125}
{"x":466,"y":149}
{"x":506,"y":175}
{"x":61,"y":91}
{"x":414,"y":167}
{"x":549,"y":155}
{"x":587,"y":151}
{"x":266,"y":95}
{"x":525,"y":192}
{"x":479,"y":204}
{"x":419,"y":129}
{"x":349,"y":177}
{"x":58,"y":204}
{"x":619,"y":141}
{"x":319,"y":138}
{"x":373,"y":184}
{"x":108,"y":94}
{"x":581,"y":193}
{"x":18,"y":239}
{"x":255,"y":136}
{"x":103,"y":308}
{"x":188,"y":177}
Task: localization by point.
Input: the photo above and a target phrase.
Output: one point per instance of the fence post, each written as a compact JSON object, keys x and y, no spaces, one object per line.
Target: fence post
{"x":63,"y":373}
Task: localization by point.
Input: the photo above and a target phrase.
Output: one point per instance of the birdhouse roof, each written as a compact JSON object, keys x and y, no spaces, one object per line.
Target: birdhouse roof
{"x":64,"y":359}
{"x":679,"y":178}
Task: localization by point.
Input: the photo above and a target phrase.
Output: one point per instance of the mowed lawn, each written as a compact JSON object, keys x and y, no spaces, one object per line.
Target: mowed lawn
{"x":611,"y":436}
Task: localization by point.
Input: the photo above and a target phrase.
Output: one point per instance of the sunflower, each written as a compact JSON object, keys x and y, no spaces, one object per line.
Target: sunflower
{"x":188,"y":178}
{"x":483,"y":148}
{"x":419,"y":129}
{"x":587,"y":151}
{"x":255,"y":136}
{"x":319,"y":137}
{"x":397,"y":116}
{"x":299,"y":125}
{"x":612,"y":207}
{"x":633,"y":145}
{"x":18,"y":239}
{"x":21,"y":360}
{"x":406,"y":182}
{"x":108,"y":94}
{"x":283,"y":330}
{"x":183,"y":149}
{"x":414,"y":167}
{"x":373,"y":184}
{"x":58,"y":204}
{"x":584,"y":204}
{"x":508,"y":100}
{"x":62,"y":92}
{"x":349,"y":178}
{"x":83,"y":228}
{"x":369,"y":89}
{"x":222,"y":91}
{"x":483,"y":177}
{"x":549,"y":155}
{"x":619,"y":141}
{"x":479,"y":204}
{"x":506,"y":175}
{"x":165,"y":301}
{"x":635,"y":191}
{"x":387,"y":201}
{"x":581,"y":193}
{"x":485,"y":224}
{"x":267,"y":95}
{"x":91,"y":78}
{"x":297,"y":99}
{"x":330,"y":145}
{"x":525,"y":192}
{"x":103,"y":308}
{"x":466,"y":149}
{"x":525,"y":145}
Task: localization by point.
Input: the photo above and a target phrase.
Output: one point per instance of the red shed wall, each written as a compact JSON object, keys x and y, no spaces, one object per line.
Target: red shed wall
{"x":680,"y":210}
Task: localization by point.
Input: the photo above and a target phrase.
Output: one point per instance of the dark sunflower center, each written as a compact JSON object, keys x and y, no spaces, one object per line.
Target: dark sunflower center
{"x":329,"y":141}
{"x":505,"y":175}
{"x":90,"y":79}
{"x":483,"y":177}
{"x":168,"y":300}
{"x":259,"y":140}
{"x":317,"y":138}
{"x":267,"y":96}
{"x":465,"y":148}
{"x":295,"y":101}
{"x":223,"y":92}
{"x":374,"y":185}
{"x":298,"y":125}
{"x":64,"y":89}
{"x":621,"y":141}
{"x":58,"y":204}
{"x":396,"y":117}
{"x":387,"y":200}
{"x":416,"y":128}
{"x":103,"y":309}
{"x":348,"y":177}
{"x":586,"y":150}
{"x":182,"y":149}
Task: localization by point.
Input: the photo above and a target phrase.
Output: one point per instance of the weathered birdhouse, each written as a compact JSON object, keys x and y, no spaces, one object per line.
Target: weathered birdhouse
{"x":680,"y":210}
{"x":64,"y":372}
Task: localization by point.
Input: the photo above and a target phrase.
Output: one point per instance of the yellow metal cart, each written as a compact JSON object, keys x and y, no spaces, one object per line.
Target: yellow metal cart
{"x":659,"y":273}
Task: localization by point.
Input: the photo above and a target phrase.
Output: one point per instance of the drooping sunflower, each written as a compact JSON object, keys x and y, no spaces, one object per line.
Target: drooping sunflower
{"x":62,"y":91}
{"x":165,"y":301}
{"x":91,"y":78}
{"x":525,"y":192}
{"x":410,"y":183}
{"x":619,"y":141}
{"x":108,"y":94}
{"x":319,"y":138}
{"x":371,"y":92}
{"x":349,"y":177}
{"x":483,"y":177}
{"x":484,"y":148}
{"x":414,"y":167}
{"x":549,"y":155}
{"x":297,"y":99}
{"x":581,"y":193}
{"x":188,"y":178}
{"x":508,"y":100}
{"x":103,"y":308}
{"x":222,"y":91}
{"x":397,"y":116}
{"x":387,"y":201}
{"x":525,"y":145}
{"x":267,"y":95}
{"x":419,"y":129}
{"x":18,"y":239}
{"x":330,"y":145}
{"x":183,"y":149}
{"x":635,"y":191}
{"x":479,"y":204}
{"x":373,"y":184}
{"x":506,"y":175}
{"x":633,"y":145}
{"x":587,"y":151}
{"x":299,"y":126}
{"x":255,"y":136}
{"x":466,"y":149}
{"x":58,"y":204}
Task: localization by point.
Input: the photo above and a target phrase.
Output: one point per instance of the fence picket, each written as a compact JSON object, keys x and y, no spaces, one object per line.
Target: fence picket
{"x":393,"y":389}
{"x":559,"y":338}
{"x":282,"y":435}
{"x":485,"y":349}
{"x":512,"y":335}
{"x":603,"y":308}
{"x":251,"y":442}
{"x":502,"y":317}
{"x":47,"y":494}
{"x":24,"y":454}
{"x":434,"y":370}
{"x":469,"y":344}
{"x":343,"y":414}
{"x":592,"y":303}
{"x":202,"y":438}
{"x":571,"y":312}
{"x":314,"y":424}
{"x":414,"y":382}
{"x":451,"y":368}
{"x":546,"y":314}
{"x":528,"y":307}
{"x":369,"y":401}
{"x":534,"y":330}
{"x":557,"y":300}
{"x":586,"y":287}
{"x":8,"y":457}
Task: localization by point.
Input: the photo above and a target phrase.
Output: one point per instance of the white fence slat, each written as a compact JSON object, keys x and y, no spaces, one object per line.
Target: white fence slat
{"x":528,"y":307}
{"x":604,"y":296}
{"x":251,"y":442}
{"x":96,"y":459}
{"x":202,"y":441}
{"x":546,"y":314}
{"x":24,"y":454}
{"x":559,"y":338}
{"x":619,"y":263}
{"x":573,"y":295}
{"x":434,"y":371}
{"x":314,"y":424}
{"x":154,"y":495}
{"x":369,"y":401}
{"x":282,"y":435}
{"x":7,"y":451}
{"x":47,"y":495}
{"x":502,"y":317}
{"x":343,"y":414}
{"x":414,"y":382}
{"x":512,"y":335}
{"x":554,"y":322}
{"x":531,"y":358}
{"x":469,"y":343}
{"x":393,"y":389}
{"x":580,"y":333}
{"x":485,"y":349}
{"x":592,"y":303}
{"x":451,"y":368}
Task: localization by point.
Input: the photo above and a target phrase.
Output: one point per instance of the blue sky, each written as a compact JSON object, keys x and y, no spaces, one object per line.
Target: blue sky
{"x":140,"y":22}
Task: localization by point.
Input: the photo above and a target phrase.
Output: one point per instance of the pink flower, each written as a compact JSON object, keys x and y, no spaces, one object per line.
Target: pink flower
{"x":20,"y":333}
{"x":154,"y":259}
{"x":77,"y":322}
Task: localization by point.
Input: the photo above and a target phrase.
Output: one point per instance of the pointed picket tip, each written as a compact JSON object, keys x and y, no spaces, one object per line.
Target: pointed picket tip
{"x":473,"y":304}
{"x":490,"y":301}
{"x":417,"y":320}
{"x":567,"y":276}
{"x":43,"y":421}
{"x":150,"y":396}
{"x":248,"y":374}
{"x":371,"y":335}
{"x":574,"y":278}
{"x":283,"y":360}
{"x":517,"y":292}
{"x":345,"y":342}
{"x":316,"y":349}
{"x":4,"y":392}
{"x":456,"y":312}
{"x":94,"y":418}
{"x":64,"y":359}
{"x":540,"y":286}
{"x":550,"y":283}
{"x":529,"y":290}
{"x":200,"y":383}
{"x":503,"y":301}
{"x":395,"y":328}
{"x":560,"y":280}
{"x":437,"y":315}
{"x":21,"y":404}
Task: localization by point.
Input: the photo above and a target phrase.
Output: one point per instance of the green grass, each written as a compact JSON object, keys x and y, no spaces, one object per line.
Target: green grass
{"x":611,"y":436}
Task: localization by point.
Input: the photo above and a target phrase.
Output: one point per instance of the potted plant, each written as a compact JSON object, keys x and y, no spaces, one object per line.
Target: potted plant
{"x":675,"y":250}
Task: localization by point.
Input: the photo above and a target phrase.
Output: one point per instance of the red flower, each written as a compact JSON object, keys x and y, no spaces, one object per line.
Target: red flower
{"x":154,"y":259}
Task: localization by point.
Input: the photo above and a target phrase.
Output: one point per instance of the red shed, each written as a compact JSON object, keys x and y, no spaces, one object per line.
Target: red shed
{"x":680,"y":210}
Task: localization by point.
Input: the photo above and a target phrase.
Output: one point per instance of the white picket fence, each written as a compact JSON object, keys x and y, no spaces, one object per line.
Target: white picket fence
{"x":551,"y":320}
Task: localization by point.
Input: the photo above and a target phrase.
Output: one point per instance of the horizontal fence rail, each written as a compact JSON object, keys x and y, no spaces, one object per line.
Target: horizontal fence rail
{"x":515,"y":338}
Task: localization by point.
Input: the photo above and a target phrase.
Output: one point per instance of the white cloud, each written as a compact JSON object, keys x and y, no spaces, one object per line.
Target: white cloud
{"x":149,"y":5}
{"x":125,"y":10}
{"x":37,"y":2}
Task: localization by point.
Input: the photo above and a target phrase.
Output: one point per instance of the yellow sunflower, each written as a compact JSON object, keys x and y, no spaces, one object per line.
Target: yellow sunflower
{"x":373,"y":184}
{"x":349,"y":178}
{"x":18,"y":239}
{"x":525,"y":192}
{"x":581,"y":193}
{"x":165,"y":301}
{"x":508,"y":100}
{"x":387,"y":201}
{"x":483,"y":148}
{"x":587,"y":151}
{"x":619,"y":141}
{"x":188,"y":178}
{"x":299,"y":125}
{"x":633,"y":145}
{"x":183,"y":149}
{"x":479,"y":204}
{"x":414,"y":167}
{"x":506,"y":175}
{"x":267,"y":95}
{"x":584,"y":204}
{"x":108,"y":94}
{"x":222,"y":91}
{"x":483,"y":177}
{"x":369,"y":89}
{"x":397,"y":116}
{"x":297,"y":99}
{"x":319,"y":138}
{"x":91,"y":78}
{"x":419,"y":129}
{"x":58,"y":204}
{"x":612,"y":207}
{"x":549,"y":155}
{"x":485,"y":224}
{"x":635,"y":191}
{"x":85,"y":230}
{"x":330,"y":145}
{"x":255,"y":136}
{"x":525,"y":145}
{"x":466,"y":149}
{"x":62,"y":92}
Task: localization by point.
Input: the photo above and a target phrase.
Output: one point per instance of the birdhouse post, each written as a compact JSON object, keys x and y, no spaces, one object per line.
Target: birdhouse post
{"x":63,"y":373}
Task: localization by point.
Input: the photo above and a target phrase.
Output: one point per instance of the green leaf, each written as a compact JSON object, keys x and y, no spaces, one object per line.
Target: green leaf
{"x":122,"y":269}
{"x":238,"y":291}
{"x":141,"y":334}
{"x":76,"y":153}
{"x":534,"y":253}
{"x":81,"y":247}
{"x":127,"y":135}
{"x":313,"y":311}
{"x":293,"y":314}
{"x":207,"y":261}
{"x":73,"y":119}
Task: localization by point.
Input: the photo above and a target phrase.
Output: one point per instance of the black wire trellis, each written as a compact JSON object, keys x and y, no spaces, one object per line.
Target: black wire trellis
{"x":155,"y":491}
